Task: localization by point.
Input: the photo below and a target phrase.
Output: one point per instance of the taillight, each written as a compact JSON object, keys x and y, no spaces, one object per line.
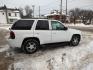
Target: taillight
{"x":12,"y":35}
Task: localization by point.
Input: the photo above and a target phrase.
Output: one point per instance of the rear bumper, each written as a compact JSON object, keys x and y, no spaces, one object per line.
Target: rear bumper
{"x":14,"y":43}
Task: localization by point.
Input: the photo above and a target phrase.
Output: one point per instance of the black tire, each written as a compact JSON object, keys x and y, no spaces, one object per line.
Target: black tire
{"x":30,"y":46}
{"x":75,"y":40}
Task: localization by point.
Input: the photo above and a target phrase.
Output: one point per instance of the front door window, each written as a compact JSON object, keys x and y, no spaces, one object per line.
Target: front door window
{"x":57,"y":25}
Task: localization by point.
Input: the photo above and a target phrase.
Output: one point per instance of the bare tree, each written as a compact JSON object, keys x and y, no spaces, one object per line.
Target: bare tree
{"x":28,"y":11}
{"x":21,"y":12}
{"x":74,"y":14}
{"x":86,"y":15}
{"x":90,"y":16}
{"x":81,"y":14}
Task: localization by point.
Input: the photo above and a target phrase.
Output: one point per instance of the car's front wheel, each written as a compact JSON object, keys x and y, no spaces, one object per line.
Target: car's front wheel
{"x":75,"y":40}
{"x":30,"y":46}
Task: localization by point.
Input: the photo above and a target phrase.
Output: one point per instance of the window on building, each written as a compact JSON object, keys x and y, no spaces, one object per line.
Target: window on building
{"x":42,"y":25}
{"x":11,"y":20}
{"x":15,"y":14}
{"x":9,"y":14}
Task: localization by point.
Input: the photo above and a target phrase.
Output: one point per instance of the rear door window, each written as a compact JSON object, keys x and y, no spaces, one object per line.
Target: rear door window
{"x":23,"y":25}
{"x":42,"y":25}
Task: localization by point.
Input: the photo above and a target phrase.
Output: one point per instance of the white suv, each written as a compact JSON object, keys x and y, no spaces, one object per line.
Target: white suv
{"x":29,"y":34}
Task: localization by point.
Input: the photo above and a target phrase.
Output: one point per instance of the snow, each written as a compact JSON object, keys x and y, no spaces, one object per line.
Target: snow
{"x":7,"y":28}
{"x":4,"y":48}
{"x":79,"y":25}
{"x":88,"y":67}
{"x":60,"y":59}
{"x":67,"y":58}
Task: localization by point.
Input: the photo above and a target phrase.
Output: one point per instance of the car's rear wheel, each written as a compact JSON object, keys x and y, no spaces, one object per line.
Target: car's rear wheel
{"x":75,"y":40}
{"x":30,"y":46}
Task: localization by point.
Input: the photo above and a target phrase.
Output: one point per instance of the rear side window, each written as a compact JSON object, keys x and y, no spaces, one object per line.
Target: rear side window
{"x":42,"y":25}
{"x":23,"y":25}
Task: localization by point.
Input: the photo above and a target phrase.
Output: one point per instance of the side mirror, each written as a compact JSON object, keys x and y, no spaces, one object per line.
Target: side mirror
{"x":65,"y":28}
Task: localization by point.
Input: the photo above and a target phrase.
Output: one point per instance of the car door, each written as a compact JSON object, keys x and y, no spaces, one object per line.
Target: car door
{"x":42,"y":31}
{"x":59,"y":34}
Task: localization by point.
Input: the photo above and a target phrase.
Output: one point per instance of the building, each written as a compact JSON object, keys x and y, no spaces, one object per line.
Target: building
{"x":8,"y":15}
{"x":56,"y":16}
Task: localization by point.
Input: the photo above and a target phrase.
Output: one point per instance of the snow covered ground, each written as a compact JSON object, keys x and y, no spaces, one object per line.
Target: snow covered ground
{"x":55,"y":58}
{"x":6,"y":27}
{"x":4,"y":48}
{"x":59,"y":58}
{"x":79,"y":25}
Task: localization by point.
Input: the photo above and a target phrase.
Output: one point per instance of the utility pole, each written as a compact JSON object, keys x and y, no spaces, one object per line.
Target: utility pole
{"x":39,"y":12}
{"x":6,"y":14}
{"x":33,"y":9}
{"x":61,"y":11}
{"x":66,"y":10}
{"x":66,"y":7}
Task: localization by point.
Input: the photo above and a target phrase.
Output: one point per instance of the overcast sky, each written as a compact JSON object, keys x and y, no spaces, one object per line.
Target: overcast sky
{"x":48,"y":5}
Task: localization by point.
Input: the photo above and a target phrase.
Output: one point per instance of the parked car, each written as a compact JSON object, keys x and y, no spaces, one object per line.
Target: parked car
{"x":29,"y":34}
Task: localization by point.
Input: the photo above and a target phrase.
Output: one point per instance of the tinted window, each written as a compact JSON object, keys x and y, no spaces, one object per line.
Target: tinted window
{"x":23,"y":25}
{"x":9,"y":14}
{"x":42,"y":25}
{"x":57,"y":25}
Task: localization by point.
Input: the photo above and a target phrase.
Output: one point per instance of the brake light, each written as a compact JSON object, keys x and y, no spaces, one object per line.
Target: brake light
{"x":12,"y":35}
